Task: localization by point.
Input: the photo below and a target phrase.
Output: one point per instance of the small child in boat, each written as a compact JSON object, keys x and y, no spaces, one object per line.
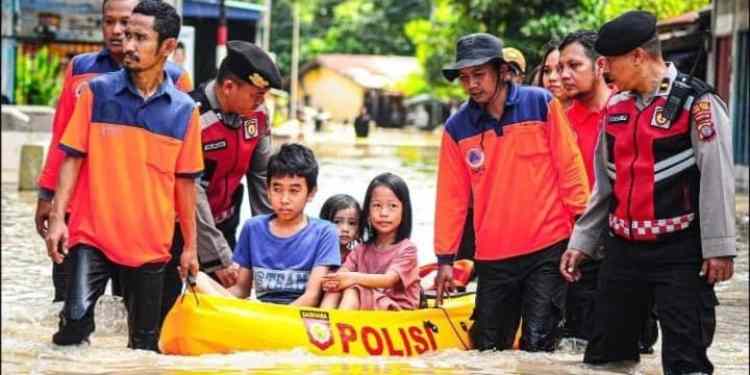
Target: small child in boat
{"x":344,"y":211}
{"x":381,"y":273}
{"x":284,"y":255}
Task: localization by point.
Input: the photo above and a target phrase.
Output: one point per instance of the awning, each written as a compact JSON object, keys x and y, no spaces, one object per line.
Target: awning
{"x":235,"y":10}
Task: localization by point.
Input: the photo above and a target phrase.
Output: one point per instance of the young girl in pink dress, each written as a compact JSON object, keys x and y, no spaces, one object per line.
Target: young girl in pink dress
{"x":381,"y":273}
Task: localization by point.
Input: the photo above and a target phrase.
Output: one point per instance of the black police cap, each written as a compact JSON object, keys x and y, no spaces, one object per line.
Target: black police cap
{"x":251,"y":64}
{"x":625,"y":33}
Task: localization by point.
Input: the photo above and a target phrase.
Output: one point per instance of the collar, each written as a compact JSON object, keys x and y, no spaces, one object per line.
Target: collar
{"x":476,"y":112}
{"x":106,"y":55}
{"x":210,"y":92}
{"x":666,"y":82}
{"x":124,"y":83}
{"x":664,"y":85}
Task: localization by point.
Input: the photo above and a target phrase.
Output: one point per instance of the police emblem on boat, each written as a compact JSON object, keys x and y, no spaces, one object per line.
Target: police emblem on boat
{"x":475,"y":158}
{"x":318,"y":327}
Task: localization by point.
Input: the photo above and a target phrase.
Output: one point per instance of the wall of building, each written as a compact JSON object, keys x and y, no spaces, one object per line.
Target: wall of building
{"x":333,"y":92}
{"x":729,"y":73}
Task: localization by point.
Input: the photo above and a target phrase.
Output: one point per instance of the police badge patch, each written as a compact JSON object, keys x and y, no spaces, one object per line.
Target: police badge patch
{"x":659,"y":120}
{"x":251,"y":128}
{"x":702,"y":116}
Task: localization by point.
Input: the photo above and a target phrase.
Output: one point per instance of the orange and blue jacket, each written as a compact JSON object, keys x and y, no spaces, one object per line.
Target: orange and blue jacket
{"x":134,"y":150}
{"x":81,"y":69}
{"x":524,"y":175}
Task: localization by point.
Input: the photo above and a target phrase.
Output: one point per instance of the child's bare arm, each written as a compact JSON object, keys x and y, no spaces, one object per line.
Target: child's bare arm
{"x":368,"y":280}
{"x":244,"y":284}
{"x":313,"y":289}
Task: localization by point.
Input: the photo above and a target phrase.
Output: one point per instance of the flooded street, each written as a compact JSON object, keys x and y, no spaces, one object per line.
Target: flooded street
{"x":29,"y":318}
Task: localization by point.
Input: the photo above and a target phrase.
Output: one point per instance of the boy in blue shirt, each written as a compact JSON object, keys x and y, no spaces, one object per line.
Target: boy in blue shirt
{"x":284,"y":255}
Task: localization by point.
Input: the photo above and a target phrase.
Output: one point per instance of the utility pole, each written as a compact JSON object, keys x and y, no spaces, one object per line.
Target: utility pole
{"x":221,"y":34}
{"x":267,"y":26}
{"x":295,"y":61}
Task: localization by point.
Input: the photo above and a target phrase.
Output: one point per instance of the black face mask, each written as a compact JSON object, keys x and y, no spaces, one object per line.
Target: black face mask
{"x":231,"y":119}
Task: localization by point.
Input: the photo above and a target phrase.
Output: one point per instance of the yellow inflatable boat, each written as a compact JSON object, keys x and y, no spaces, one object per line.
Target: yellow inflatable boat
{"x":201,"y":324}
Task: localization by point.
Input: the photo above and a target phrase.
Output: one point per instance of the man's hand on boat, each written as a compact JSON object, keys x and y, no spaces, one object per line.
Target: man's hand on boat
{"x":444,"y":283}
{"x":57,"y":239}
{"x":188,"y":262}
{"x":228,"y":275}
{"x":569,"y":262}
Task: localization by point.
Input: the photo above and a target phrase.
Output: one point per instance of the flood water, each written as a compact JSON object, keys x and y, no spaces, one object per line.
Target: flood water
{"x":29,"y":318}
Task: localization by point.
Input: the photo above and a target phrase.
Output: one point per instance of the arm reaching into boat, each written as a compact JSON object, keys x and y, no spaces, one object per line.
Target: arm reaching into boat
{"x":339,"y":281}
{"x":313,"y":289}
{"x":241,"y":289}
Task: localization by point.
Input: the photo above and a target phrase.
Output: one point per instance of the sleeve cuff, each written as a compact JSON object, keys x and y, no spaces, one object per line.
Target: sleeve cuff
{"x":45,"y":194}
{"x":192,"y":175}
{"x":212,"y":266}
{"x":445,"y":260}
{"x":70,"y":151}
{"x":580,"y":241}
{"x":719,"y":247}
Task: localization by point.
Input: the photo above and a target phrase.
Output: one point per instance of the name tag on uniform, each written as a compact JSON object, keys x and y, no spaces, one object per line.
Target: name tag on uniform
{"x":618,"y":118}
{"x":213,"y":146}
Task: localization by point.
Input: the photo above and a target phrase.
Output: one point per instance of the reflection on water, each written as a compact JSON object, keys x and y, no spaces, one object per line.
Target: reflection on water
{"x":29,"y":318}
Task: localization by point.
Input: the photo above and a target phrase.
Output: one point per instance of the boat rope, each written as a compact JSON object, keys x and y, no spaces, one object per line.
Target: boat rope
{"x":453,"y":326}
{"x":191,"y":286}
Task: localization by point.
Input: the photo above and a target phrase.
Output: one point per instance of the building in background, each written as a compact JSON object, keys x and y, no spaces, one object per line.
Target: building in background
{"x":70,"y":27}
{"x":243,"y":21}
{"x":341,"y":84}
{"x":729,"y":72}
{"x":714,"y":43}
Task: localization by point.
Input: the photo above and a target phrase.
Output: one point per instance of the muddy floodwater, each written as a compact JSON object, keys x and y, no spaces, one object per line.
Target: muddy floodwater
{"x":29,"y":318}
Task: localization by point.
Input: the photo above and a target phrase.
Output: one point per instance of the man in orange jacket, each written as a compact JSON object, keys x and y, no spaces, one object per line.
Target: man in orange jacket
{"x":509,"y":151}
{"x":81,"y":69}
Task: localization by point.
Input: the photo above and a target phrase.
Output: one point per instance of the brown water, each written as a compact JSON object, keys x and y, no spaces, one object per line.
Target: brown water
{"x":29,"y":318}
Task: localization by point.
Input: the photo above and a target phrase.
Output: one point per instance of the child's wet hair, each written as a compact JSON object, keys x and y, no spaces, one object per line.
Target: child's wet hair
{"x":294,"y":160}
{"x":341,"y":202}
{"x":401,"y":191}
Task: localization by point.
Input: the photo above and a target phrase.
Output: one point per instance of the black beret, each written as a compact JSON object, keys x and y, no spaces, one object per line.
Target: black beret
{"x":625,"y":33}
{"x":251,"y":64}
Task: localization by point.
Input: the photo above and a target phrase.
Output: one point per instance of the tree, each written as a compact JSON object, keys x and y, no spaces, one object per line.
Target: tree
{"x":349,"y":26}
{"x":661,"y":8}
{"x":524,"y":25}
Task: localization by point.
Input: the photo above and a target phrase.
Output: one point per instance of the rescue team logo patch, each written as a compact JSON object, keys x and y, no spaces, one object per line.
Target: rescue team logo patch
{"x":475,"y":158}
{"x":213,"y":146}
{"x":318,"y":327}
{"x":659,"y":120}
{"x":618,"y":118}
{"x":702,"y":115}
{"x":251,"y":128}
{"x":79,"y":88}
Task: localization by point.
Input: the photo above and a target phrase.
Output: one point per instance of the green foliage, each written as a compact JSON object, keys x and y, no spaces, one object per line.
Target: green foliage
{"x":348,"y":26}
{"x":428,"y":29}
{"x":661,"y":8}
{"x":37,"y":80}
{"x":524,"y":25}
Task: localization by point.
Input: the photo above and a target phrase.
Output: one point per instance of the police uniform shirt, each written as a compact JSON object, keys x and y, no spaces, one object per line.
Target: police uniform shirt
{"x":711,"y":138}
